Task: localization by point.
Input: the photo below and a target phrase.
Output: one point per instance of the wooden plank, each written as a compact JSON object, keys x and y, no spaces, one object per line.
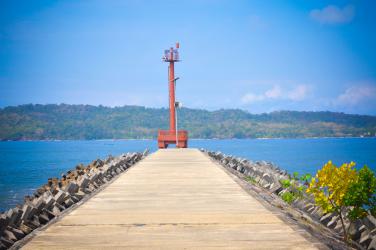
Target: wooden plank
{"x":173,"y":199}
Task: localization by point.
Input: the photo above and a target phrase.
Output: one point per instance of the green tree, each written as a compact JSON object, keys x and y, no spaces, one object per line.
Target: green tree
{"x":361,"y":195}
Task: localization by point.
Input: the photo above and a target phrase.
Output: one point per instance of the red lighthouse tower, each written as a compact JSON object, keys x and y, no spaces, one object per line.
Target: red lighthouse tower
{"x":172,"y":136}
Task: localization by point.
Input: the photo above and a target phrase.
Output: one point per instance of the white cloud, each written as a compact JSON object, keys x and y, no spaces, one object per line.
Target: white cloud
{"x":356,"y":94}
{"x":274,"y":92}
{"x":298,"y":93}
{"x":333,"y":14}
{"x":250,"y":98}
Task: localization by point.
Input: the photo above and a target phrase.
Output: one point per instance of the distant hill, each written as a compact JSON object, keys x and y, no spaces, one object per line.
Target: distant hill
{"x":43,"y":122}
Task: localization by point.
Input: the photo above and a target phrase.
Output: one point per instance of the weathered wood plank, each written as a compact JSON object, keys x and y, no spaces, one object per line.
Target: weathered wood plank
{"x":175,"y":198}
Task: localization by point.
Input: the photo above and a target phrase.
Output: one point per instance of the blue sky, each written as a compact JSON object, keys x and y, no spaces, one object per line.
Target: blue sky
{"x":258,"y":56}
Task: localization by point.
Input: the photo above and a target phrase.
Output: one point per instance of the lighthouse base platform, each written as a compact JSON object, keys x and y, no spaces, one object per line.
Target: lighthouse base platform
{"x":166,"y":137}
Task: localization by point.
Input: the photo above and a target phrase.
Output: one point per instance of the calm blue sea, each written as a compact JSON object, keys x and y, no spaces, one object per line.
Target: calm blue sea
{"x":25,"y":165}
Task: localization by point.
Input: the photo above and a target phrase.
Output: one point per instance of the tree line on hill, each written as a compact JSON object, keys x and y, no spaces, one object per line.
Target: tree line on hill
{"x":63,"y":121}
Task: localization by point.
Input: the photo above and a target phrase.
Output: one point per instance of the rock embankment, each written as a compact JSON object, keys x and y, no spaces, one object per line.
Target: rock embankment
{"x":51,"y":199}
{"x":269,"y":177}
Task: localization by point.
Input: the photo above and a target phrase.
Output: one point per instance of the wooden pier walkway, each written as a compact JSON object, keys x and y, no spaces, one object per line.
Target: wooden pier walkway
{"x":173,"y":199}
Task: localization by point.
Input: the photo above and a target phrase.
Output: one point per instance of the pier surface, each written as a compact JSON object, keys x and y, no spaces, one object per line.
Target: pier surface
{"x":173,"y":199}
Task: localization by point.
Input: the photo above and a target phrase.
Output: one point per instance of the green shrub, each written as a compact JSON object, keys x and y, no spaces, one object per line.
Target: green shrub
{"x":288,"y":197}
{"x":306,"y":179}
{"x":296,"y":190}
{"x":250,"y":179}
{"x":285,"y":183}
{"x":295,"y":176}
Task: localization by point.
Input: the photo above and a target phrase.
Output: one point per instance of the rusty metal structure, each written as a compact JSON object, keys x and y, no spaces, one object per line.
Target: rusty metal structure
{"x":172,"y":136}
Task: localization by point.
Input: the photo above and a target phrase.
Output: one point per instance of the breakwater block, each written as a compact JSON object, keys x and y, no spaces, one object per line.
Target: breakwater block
{"x":58,"y":194}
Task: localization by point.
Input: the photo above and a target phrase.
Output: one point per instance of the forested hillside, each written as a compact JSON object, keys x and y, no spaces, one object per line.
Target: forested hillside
{"x":97,"y":122}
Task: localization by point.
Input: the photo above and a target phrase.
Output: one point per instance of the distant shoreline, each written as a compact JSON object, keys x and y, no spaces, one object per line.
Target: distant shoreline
{"x":56,"y":122}
{"x":199,"y":139}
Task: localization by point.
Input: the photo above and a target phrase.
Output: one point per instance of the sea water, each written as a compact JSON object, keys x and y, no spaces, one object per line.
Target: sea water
{"x":26,"y":165}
